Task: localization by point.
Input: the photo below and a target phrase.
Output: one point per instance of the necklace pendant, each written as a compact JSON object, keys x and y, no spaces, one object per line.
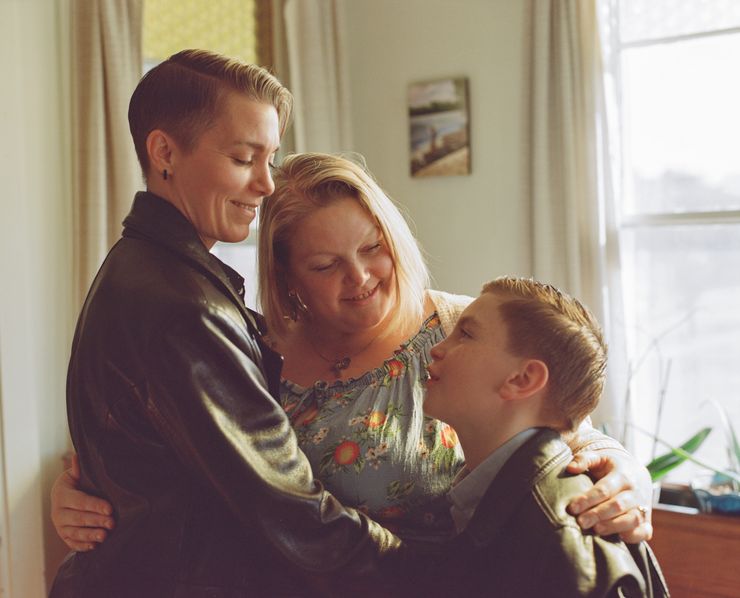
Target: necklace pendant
{"x":339,"y":365}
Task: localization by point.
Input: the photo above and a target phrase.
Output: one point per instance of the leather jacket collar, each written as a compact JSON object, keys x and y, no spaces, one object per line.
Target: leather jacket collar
{"x":156,"y":220}
{"x":531,"y":463}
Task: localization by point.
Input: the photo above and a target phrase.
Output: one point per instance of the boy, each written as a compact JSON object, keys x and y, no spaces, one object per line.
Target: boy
{"x":524,"y":366}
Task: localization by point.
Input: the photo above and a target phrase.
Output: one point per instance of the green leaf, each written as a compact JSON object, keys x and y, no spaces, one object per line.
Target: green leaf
{"x":733,"y":446}
{"x":731,"y":437}
{"x":732,"y":441}
{"x":736,"y":445}
{"x":660,"y":466}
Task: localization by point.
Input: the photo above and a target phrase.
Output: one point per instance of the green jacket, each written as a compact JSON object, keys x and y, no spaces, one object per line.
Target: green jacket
{"x":522,"y":542}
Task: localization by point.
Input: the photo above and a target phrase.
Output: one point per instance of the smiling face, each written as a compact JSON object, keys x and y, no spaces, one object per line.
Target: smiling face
{"x":470,"y":366}
{"x":221,"y":182}
{"x":340,"y":265}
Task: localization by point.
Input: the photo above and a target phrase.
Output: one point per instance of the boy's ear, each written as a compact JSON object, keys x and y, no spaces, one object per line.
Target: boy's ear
{"x":160,"y":146}
{"x":528,"y":379}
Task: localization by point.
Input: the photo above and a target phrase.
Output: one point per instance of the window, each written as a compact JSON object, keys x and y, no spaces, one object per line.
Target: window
{"x":673,"y":66}
{"x":237,"y":28}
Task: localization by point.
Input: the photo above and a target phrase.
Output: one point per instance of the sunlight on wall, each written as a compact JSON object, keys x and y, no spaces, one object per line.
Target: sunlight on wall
{"x":224,"y":26}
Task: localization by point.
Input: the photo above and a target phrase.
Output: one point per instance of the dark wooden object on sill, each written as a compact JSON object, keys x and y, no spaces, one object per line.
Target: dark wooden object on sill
{"x":699,"y":553}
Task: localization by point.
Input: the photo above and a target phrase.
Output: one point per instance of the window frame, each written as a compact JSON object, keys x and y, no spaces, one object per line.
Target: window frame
{"x":633,"y":222}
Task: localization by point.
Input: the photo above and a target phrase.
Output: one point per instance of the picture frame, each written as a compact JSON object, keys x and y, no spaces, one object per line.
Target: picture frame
{"x":439,"y":128}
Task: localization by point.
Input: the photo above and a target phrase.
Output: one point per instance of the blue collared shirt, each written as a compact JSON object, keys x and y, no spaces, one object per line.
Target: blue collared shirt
{"x":470,"y":486}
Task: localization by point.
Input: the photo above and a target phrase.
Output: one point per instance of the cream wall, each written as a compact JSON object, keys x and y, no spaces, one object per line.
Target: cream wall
{"x":475,"y":227}
{"x":35,"y":303}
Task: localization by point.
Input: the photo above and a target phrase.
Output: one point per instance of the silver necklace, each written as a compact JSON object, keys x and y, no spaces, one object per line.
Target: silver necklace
{"x":340,"y":363}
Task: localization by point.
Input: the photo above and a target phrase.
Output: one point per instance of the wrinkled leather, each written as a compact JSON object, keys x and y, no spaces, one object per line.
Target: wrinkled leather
{"x":521,"y":542}
{"x":171,"y":408}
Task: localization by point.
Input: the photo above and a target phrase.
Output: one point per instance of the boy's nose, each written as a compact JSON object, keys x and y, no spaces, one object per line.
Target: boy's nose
{"x":437,"y":351}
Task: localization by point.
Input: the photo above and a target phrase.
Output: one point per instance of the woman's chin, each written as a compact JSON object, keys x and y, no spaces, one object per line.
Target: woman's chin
{"x":236,"y":235}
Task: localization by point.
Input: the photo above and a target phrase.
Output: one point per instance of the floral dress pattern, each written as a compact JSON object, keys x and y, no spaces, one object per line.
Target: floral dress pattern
{"x":369,"y":444}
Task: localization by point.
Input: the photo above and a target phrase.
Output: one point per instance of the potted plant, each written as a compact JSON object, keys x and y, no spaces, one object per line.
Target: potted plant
{"x":717,"y":490}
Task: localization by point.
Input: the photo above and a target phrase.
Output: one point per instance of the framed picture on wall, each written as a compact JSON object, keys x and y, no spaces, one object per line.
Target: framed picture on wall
{"x":439,"y":127}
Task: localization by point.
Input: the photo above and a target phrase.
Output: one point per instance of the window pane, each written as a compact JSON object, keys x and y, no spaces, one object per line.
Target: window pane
{"x":682,"y":288}
{"x":224,"y":26}
{"x":682,"y":126}
{"x":243,"y":258}
{"x":650,"y":19}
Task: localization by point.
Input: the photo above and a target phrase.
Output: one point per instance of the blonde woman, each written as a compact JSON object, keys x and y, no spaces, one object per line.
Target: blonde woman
{"x":170,"y":386}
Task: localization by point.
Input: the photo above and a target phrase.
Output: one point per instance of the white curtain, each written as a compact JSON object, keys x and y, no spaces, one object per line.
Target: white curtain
{"x":569,"y":186}
{"x":106,"y":66}
{"x":316,"y":73}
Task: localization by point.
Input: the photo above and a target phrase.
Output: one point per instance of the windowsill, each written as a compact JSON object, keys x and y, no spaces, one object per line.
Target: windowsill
{"x":697,"y":551}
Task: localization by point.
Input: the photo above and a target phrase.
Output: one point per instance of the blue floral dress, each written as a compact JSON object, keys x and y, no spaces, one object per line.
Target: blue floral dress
{"x":370,"y":445}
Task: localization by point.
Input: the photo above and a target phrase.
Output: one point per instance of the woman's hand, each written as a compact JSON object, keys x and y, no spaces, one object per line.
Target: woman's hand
{"x":620,"y":501}
{"x":80,"y":520}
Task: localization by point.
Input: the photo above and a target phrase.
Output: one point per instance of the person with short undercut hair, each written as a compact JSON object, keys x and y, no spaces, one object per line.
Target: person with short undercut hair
{"x":171,"y":390}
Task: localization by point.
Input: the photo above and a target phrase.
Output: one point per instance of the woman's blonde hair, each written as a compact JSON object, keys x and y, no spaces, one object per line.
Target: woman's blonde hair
{"x":182,"y":96}
{"x":307,"y":182}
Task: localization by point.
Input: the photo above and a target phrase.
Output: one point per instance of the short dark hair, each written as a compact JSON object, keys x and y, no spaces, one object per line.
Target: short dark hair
{"x":182,"y":97}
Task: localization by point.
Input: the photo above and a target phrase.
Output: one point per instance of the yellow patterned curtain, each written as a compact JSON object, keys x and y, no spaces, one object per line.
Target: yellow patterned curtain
{"x":236,"y":28}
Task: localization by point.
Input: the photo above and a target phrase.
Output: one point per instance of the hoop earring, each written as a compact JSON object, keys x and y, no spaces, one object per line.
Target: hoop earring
{"x":297,"y":307}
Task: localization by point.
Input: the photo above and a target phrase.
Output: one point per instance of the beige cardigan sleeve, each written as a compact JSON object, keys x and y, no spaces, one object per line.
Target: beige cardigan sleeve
{"x":448,"y":307}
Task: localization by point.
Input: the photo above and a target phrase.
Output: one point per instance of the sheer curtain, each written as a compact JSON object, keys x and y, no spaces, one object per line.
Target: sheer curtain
{"x":569,"y":185}
{"x":315,"y":69}
{"x":106,"y":66}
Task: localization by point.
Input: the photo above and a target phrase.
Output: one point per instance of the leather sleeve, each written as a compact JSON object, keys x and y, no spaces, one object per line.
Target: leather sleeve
{"x":587,"y":438}
{"x":584,"y":565}
{"x":210,"y":401}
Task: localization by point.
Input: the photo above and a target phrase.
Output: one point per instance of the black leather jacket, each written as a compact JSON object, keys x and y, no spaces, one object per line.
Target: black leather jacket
{"x":171,"y":407}
{"x":521,"y":542}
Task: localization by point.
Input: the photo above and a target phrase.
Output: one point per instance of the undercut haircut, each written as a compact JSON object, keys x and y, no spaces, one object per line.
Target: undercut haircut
{"x":182,"y":96}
